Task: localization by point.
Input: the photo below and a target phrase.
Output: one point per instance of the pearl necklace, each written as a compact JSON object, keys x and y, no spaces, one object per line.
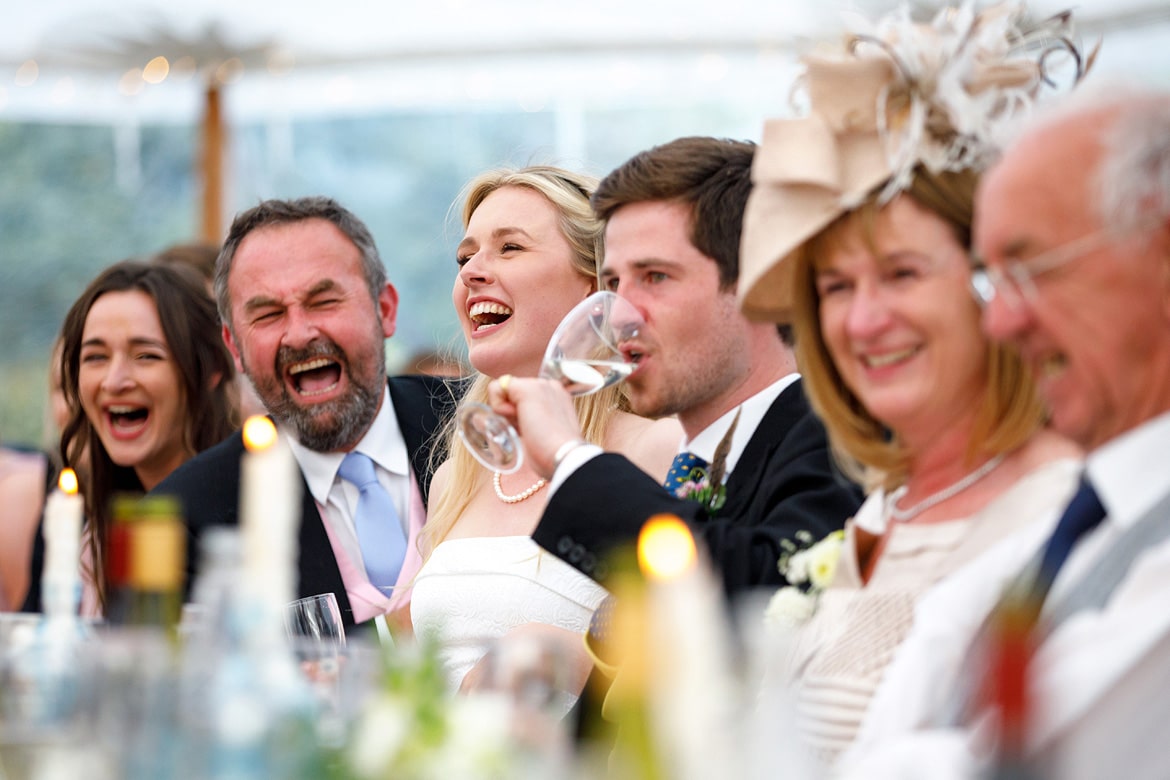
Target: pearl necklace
{"x":516,"y":499}
{"x":902,"y":515}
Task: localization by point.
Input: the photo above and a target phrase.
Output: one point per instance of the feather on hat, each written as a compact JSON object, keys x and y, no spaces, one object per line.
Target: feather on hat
{"x":945,"y":95}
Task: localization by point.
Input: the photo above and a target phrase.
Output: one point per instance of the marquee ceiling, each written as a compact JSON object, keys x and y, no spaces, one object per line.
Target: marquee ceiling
{"x":298,"y":55}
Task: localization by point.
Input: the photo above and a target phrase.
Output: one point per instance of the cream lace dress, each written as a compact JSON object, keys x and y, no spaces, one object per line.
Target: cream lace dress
{"x":836,"y":659}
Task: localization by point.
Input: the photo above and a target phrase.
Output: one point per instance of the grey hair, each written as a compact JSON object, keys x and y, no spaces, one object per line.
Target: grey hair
{"x":278,"y":212}
{"x":1133,"y":178}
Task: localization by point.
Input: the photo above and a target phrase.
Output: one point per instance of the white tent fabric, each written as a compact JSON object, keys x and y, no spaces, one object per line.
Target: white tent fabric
{"x":389,"y":106}
{"x":350,"y":56}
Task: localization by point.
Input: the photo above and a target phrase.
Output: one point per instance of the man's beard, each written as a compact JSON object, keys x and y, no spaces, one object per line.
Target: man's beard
{"x":333,"y":425}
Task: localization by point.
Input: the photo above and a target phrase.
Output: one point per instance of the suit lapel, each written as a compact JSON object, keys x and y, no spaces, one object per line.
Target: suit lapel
{"x":316,"y":563}
{"x":784,"y":413}
{"x":422,"y":405}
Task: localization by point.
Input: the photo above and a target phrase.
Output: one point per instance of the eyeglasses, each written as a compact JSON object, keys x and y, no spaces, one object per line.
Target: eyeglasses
{"x":1014,"y":283}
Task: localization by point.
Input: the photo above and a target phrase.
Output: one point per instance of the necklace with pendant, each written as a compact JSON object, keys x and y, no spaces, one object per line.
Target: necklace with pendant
{"x":909,"y":513}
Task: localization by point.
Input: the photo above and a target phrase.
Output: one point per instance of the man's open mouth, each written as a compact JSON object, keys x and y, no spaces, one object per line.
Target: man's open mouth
{"x":314,"y":377}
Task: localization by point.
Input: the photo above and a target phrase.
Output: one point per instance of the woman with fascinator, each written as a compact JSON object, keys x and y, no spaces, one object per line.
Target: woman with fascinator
{"x":858,"y":234}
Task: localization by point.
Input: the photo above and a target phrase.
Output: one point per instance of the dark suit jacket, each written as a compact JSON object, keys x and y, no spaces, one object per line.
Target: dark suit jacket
{"x":208,"y":485}
{"x":784,"y":482}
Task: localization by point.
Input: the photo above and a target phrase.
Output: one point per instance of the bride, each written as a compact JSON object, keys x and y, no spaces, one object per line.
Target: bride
{"x":528,"y":255}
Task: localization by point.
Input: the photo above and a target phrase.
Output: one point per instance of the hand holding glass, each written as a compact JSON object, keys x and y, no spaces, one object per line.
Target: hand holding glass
{"x":584,"y":354}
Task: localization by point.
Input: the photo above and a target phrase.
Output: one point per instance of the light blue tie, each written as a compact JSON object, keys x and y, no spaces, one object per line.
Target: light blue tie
{"x":379,"y":530}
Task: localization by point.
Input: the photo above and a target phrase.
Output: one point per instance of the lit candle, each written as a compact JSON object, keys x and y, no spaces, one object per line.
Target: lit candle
{"x":666,"y":549}
{"x":690,"y":690}
{"x":269,"y":511}
{"x":64,"y":509}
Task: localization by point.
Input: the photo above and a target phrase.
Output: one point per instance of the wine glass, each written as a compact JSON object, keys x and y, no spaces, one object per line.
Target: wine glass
{"x":315,"y":617}
{"x":315,"y":631}
{"x":584,"y":354}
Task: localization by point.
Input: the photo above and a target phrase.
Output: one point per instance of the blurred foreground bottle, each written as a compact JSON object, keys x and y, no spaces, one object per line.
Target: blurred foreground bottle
{"x":1011,"y":648}
{"x":146,"y":563}
{"x":139,"y":706}
{"x":119,"y":539}
{"x":252,"y":706}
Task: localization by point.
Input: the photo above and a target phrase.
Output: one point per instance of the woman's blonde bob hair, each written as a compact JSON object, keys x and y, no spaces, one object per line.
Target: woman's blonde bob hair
{"x":569,"y":194}
{"x":866,"y":450}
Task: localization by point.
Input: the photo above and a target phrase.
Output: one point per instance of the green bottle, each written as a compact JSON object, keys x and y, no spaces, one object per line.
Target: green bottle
{"x":157,"y":557}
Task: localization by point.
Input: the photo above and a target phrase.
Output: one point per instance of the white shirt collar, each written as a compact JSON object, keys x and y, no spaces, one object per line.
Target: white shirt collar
{"x":753,"y":411}
{"x":1129,"y":472}
{"x":383,"y":442}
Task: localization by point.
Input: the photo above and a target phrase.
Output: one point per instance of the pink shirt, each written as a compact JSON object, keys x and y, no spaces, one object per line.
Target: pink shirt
{"x":367,"y":601}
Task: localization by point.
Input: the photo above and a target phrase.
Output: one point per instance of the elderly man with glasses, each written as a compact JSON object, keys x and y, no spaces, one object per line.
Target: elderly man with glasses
{"x":1059,"y":667}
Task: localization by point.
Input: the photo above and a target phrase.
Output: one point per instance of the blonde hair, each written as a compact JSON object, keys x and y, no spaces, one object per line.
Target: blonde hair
{"x":569,"y":194}
{"x":865,"y":449}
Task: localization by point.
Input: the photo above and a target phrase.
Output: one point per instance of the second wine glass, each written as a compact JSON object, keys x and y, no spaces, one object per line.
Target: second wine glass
{"x":584,"y":354}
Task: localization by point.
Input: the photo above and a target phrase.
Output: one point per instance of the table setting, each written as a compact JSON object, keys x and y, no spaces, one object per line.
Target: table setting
{"x":247,"y":681}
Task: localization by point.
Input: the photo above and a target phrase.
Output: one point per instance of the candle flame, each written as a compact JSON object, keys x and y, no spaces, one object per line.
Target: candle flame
{"x":666,"y":548}
{"x":68,"y":481}
{"x":259,"y":433}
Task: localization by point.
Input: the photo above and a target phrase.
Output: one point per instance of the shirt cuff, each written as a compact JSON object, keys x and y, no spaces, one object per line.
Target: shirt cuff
{"x":573,"y":460}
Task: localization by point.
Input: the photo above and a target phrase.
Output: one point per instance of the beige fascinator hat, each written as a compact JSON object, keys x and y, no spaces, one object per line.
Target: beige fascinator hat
{"x":943,"y":94}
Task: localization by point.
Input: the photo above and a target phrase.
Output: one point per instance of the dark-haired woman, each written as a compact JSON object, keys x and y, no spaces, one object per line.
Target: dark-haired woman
{"x":147,"y":380}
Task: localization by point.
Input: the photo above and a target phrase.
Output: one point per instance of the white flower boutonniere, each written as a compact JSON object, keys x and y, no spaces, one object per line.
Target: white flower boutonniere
{"x":809,"y":569}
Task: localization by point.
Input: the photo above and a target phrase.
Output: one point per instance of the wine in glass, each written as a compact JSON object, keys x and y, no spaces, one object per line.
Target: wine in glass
{"x":584,"y":354}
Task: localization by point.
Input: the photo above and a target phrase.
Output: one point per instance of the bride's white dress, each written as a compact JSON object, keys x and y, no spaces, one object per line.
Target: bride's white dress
{"x":472,"y":591}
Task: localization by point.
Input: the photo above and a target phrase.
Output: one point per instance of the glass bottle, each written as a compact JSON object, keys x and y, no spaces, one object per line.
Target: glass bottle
{"x":119,"y":539}
{"x":157,"y":559}
{"x":1011,"y":649}
{"x":251,"y":712}
{"x":141,"y":706}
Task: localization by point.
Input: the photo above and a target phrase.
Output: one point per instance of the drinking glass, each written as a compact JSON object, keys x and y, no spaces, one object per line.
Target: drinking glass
{"x":316,"y":618}
{"x":530,"y":674}
{"x":584,"y":354}
{"x":314,"y":629}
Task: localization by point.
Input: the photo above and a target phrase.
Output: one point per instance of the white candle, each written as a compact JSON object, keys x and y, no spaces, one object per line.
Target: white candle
{"x":691,"y":692}
{"x":62,"y":529}
{"x":270,"y":493}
